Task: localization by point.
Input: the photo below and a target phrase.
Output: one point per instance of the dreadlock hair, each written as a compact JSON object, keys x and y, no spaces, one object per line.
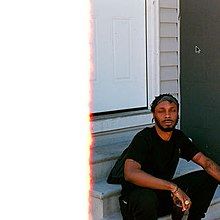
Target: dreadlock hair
{"x":163,"y":97}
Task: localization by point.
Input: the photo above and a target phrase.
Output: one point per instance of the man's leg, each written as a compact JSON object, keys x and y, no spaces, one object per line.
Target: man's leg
{"x":123,"y":202}
{"x":165,"y":202}
{"x":143,"y":203}
{"x":140,"y":204}
{"x":200,"y":187}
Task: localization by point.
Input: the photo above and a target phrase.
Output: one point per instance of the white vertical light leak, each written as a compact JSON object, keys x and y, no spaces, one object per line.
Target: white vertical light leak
{"x":87,"y":96}
{"x":83,"y":67}
{"x":44,"y":113}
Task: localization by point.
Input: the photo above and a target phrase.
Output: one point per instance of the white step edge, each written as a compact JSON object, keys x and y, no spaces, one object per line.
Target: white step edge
{"x":102,"y":190}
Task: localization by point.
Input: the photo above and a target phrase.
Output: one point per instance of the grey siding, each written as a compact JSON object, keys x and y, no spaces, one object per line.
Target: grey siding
{"x":169,"y":46}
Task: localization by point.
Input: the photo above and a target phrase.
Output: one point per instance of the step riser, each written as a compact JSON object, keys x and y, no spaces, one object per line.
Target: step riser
{"x":101,"y":170}
{"x":114,"y":137}
{"x":111,"y":139}
{"x":105,"y":207}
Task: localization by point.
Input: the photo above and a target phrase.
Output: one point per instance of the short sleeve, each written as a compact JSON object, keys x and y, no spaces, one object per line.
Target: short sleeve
{"x":138,"y":149}
{"x":187,"y":148}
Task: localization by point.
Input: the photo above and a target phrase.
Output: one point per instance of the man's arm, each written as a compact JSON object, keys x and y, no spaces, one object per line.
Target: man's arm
{"x":134,"y":174}
{"x":208,"y":165}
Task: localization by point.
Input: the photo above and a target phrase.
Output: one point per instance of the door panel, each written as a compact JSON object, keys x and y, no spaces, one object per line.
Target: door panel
{"x":119,"y":80}
{"x":200,"y":73}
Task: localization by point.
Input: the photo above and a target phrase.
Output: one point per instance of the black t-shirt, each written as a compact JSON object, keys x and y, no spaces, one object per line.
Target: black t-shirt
{"x":158,"y":157}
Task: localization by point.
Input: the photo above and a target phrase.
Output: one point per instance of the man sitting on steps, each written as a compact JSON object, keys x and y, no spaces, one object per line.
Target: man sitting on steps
{"x":149,"y":190}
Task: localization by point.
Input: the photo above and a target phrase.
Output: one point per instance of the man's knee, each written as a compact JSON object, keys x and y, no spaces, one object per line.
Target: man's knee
{"x":197,"y":179}
{"x":143,"y":203}
{"x":207,"y":179}
{"x":144,"y":197}
{"x":201,"y":193}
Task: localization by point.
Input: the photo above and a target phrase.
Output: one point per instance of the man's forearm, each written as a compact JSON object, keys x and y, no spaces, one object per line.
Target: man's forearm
{"x":143,"y":179}
{"x":212,"y":169}
{"x":208,"y":165}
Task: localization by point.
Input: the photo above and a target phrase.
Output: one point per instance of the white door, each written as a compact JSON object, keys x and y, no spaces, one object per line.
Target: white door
{"x":119,"y":79}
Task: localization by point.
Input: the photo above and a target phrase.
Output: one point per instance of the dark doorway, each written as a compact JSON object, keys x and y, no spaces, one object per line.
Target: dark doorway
{"x":200,"y":73}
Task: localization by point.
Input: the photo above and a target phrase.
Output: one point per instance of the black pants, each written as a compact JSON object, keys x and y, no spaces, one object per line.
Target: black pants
{"x":148,"y":204}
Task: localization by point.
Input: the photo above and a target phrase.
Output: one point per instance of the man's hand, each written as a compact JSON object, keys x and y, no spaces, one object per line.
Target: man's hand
{"x":181,"y":199}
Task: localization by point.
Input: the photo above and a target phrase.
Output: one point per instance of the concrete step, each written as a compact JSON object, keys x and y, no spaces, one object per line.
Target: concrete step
{"x":107,"y":146}
{"x":104,"y":199}
{"x":105,"y":202}
{"x":184,"y":167}
{"x":104,"y":158}
{"x":213,"y":212}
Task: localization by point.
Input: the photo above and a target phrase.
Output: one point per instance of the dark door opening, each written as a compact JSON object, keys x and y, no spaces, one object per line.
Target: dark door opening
{"x":200,"y":73}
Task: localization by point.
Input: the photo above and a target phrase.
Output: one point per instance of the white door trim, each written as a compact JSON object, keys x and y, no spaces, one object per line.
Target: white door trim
{"x":153,"y":50}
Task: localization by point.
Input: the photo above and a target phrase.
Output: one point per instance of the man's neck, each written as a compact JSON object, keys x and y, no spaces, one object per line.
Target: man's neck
{"x":164,"y":135}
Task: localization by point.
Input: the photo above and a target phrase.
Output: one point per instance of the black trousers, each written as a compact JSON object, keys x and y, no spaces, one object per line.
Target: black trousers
{"x":147,"y":204}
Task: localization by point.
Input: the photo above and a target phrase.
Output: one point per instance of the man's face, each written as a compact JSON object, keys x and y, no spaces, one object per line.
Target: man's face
{"x":166,"y":116}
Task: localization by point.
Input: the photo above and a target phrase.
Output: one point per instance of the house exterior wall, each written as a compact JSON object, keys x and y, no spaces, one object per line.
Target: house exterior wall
{"x":164,"y":64}
{"x":169,"y":46}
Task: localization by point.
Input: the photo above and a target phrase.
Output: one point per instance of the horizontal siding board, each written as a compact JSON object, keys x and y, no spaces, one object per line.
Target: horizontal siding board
{"x":169,"y":86}
{"x":169,"y":59}
{"x":169,"y":3}
{"x":169,"y":44}
{"x":169,"y":47}
{"x":168,"y":30}
{"x":169,"y":73}
{"x":168,"y":15}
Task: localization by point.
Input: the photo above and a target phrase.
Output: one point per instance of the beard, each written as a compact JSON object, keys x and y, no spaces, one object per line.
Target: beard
{"x":166,"y":129}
